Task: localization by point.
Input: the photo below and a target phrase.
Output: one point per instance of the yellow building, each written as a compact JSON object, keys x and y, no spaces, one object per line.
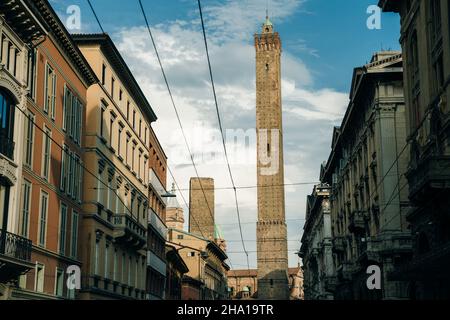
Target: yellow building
{"x":113,"y":233}
{"x":206,"y":263}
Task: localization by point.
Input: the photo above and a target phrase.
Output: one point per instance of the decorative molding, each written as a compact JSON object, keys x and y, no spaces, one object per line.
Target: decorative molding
{"x":8,"y":171}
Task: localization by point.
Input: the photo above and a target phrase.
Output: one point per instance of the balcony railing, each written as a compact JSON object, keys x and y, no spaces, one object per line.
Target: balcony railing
{"x":155,"y":221}
{"x":15,"y":246}
{"x":6,"y":145}
{"x":357,"y":222}
{"x":129,"y":230}
{"x":338,"y":244}
{"x":15,"y":256}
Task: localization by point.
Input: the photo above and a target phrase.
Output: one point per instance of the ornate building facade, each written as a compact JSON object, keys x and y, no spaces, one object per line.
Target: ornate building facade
{"x":47,"y":65}
{"x":366,"y":170}
{"x":425,"y":40}
{"x":118,"y":152}
{"x":271,"y":230}
{"x":316,"y":249}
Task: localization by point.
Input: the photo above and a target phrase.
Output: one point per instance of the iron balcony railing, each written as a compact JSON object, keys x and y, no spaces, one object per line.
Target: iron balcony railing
{"x":15,"y":246}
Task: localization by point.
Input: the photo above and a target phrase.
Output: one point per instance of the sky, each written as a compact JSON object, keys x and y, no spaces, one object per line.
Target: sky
{"x":323,"y":40}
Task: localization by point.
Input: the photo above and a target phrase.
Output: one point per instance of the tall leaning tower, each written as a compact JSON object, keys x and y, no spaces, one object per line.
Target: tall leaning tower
{"x":271,"y":227}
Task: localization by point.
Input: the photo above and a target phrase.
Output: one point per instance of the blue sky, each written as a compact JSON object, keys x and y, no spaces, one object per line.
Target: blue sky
{"x":323,"y":40}
{"x":329,"y":35}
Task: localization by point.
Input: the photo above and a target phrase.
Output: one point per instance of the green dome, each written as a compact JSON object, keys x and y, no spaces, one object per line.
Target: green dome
{"x":268,"y":22}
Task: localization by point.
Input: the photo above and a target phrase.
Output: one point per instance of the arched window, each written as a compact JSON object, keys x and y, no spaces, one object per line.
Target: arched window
{"x":7,"y":109}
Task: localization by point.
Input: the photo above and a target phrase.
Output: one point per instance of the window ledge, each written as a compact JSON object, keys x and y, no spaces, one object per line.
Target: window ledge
{"x":103,"y":140}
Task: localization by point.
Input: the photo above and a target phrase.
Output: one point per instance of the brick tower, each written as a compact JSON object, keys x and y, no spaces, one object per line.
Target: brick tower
{"x":271,"y":226}
{"x":201,"y":207}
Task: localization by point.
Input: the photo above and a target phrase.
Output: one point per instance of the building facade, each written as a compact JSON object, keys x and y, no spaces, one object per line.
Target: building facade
{"x":316,"y":249}
{"x":18,"y":38}
{"x":271,"y":231}
{"x":425,"y":40}
{"x":52,"y":152}
{"x":176,"y":268}
{"x":366,"y":170}
{"x":114,"y":224}
{"x":206,"y":262}
{"x":243,"y":284}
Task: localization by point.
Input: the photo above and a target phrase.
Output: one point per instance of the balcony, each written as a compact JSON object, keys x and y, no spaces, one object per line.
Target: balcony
{"x":156,"y":263}
{"x":357,"y":222}
{"x":15,"y":256}
{"x":129,"y":232}
{"x":430,"y":175}
{"x":339,"y":244}
{"x":155,"y":221}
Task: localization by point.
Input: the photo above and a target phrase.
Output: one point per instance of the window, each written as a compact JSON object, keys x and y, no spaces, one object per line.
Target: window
{"x":134,"y":119}
{"x":133,"y":151}
{"x":46,"y":153}
{"x":139,"y":164}
{"x":120,"y":94}
{"x":72,"y":115}
{"x":31,"y":77}
{"x":50,"y":91}
{"x":43,"y":219}
{"x":111,"y":194}
{"x":74,"y":243}
{"x":103,"y":74}
{"x":191,"y":254}
{"x":80,"y":180}
{"x":64,"y":167}
{"x":2,"y":40}
{"x":436,"y":21}
{"x":113,"y":81}
{"x":122,"y":278}
{"x":180,"y":237}
{"x":8,"y":55}
{"x":119,"y":138}
{"x":96,"y":258}
{"x":126,"y":149}
{"x":106,"y":260}
{"x":102,"y":120}
{"x":145,"y":136}
{"x":59,"y":284}
{"x":29,"y":138}
{"x":39,"y":278}
{"x":7,"y":111}
{"x":414,"y":60}
{"x":26,"y":197}
{"x":111,"y":127}
{"x":67,"y":109}
{"x":140,"y":128}
{"x":115,"y":265}
{"x":129,"y":271}
{"x":62,"y":229}
{"x":70,"y":173}
{"x":16,"y":58}
{"x":128,"y":110}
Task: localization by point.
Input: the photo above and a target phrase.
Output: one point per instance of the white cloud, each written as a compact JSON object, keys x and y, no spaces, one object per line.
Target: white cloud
{"x":309,"y":115}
